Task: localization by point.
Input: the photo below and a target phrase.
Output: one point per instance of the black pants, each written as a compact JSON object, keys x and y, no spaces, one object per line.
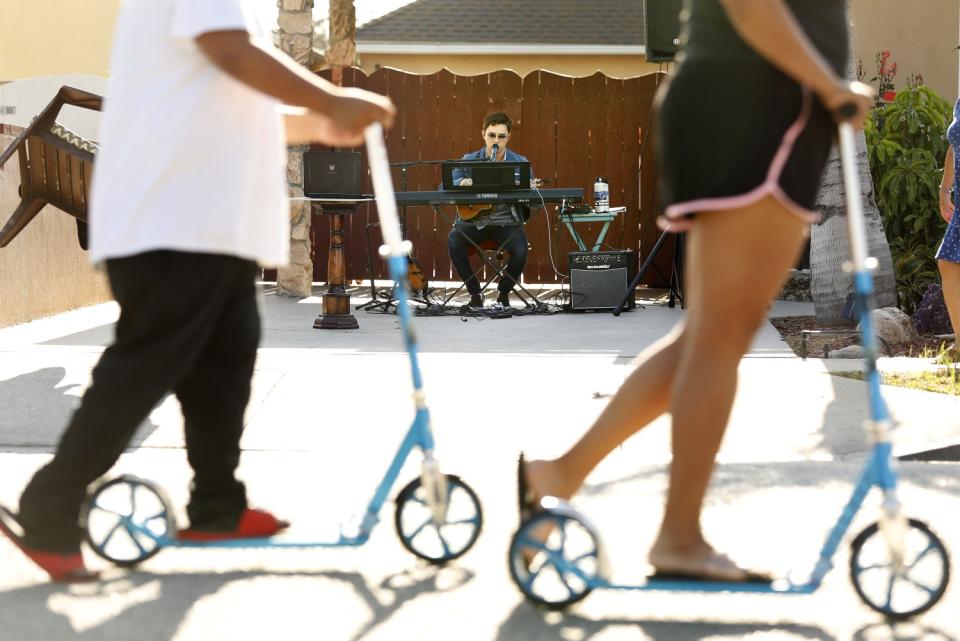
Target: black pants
{"x":516,"y":247}
{"x":188,"y":324}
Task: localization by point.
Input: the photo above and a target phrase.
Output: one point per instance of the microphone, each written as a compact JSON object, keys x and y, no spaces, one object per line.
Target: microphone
{"x":496,"y":150}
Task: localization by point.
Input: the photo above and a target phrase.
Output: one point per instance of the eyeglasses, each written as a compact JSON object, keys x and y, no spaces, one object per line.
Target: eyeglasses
{"x":494,"y":136}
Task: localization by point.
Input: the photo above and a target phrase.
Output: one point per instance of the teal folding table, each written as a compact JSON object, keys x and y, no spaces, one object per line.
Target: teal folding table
{"x":570,"y":219}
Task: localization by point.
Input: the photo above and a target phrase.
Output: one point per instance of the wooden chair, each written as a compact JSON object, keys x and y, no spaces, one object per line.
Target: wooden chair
{"x":56,"y":166}
{"x":494,"y":253}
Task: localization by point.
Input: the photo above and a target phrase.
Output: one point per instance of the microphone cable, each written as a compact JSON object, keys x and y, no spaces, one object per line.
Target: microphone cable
{"x":546,"y":216}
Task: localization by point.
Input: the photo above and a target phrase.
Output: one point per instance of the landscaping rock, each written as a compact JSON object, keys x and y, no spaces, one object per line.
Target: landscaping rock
{"x":851,"y":351}
{"x":893,"y":326}
{"x":931,"y":315}
{"x":797,"y":286}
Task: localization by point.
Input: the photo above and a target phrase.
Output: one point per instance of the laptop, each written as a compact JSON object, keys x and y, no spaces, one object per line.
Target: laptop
{"x":333,"y":175}
{"x":486,"y":175}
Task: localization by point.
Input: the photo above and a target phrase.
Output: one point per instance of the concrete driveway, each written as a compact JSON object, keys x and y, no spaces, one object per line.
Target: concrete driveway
{"x":328,"y":410}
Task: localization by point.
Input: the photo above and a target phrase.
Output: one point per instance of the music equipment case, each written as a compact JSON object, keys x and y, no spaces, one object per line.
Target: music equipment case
{"x":599,"y":280}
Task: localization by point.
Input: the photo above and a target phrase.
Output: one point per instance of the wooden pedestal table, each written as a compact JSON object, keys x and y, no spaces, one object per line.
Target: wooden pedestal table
{"x":336,"y":311}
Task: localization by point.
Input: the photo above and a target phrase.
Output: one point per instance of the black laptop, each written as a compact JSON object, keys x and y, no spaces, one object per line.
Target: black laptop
{"x":487,"y":176}
{"x":333,"y":175}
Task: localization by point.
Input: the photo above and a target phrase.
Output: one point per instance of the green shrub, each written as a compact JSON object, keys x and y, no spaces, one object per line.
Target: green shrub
{"x":906,"y":145}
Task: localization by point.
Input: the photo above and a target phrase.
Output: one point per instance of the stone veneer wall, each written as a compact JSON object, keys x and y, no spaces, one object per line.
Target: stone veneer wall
{"x":295,"y":20}
{"x":43,"y":271}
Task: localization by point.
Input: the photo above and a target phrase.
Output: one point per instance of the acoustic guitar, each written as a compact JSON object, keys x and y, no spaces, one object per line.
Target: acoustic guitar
{"x":468,"y":212}
{"x":417,"y":278}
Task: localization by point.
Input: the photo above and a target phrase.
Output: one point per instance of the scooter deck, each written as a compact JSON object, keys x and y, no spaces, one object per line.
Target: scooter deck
{"x":690,"y":584}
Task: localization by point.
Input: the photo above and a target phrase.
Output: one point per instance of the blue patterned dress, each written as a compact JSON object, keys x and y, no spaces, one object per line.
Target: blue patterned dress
{"x":950,"y":247}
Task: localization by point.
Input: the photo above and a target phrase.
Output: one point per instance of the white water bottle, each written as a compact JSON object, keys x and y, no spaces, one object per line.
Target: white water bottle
{"x":601,"y":195}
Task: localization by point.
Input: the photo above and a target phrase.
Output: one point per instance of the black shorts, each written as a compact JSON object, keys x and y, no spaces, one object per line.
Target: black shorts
{"x":732,"y":132}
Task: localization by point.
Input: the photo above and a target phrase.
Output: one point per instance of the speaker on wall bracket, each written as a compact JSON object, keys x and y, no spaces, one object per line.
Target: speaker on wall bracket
{"x":661,"y":28}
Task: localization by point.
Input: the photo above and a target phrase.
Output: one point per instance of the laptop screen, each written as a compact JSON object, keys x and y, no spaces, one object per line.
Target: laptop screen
{"x":327,"y":173}
{"x":486,"y":175}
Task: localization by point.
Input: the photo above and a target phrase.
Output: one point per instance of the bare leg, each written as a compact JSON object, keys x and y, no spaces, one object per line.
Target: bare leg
{"x":737,"y":260}
{"x":950,"y":275}
{"x":643,"y":397}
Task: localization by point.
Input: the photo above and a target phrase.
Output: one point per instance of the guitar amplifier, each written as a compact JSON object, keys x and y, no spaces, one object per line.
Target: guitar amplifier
{"x":599,"y":280}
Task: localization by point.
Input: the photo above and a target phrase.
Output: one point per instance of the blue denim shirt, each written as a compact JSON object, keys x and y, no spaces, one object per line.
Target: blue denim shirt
{"x":504,"y":214}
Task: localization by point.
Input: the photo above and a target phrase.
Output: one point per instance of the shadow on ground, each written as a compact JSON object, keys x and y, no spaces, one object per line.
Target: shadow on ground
{"x":541,"y":625}
{"x":36,"y":407}
{"x":155,"y":606}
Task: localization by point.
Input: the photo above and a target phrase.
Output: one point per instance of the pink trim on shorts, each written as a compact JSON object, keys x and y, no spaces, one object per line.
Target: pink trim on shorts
{"x":770,"y":187}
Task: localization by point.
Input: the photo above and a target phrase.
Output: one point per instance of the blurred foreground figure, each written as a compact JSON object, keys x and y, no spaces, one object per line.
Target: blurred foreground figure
{"x":189,"y":196}
{"x":744,"y":129}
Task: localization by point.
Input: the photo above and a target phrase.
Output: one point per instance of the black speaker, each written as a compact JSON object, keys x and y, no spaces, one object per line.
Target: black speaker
{"x":599,"y":280}
{"x":661,"y":28}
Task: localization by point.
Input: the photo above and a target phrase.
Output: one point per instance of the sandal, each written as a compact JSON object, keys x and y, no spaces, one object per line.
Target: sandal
{"x":715,"y":568}
{"x":65,"y":568}
{"x":253,"y":524}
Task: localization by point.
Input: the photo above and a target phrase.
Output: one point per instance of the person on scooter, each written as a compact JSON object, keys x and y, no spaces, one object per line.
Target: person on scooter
{"x":189,"y":196}
{"x":744,"y":129}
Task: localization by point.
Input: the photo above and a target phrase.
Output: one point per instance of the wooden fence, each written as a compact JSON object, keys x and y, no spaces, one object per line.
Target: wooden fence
{"x":571,"y":129}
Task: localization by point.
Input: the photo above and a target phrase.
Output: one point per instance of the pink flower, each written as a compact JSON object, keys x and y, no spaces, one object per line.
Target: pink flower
{"x":888,"y":96}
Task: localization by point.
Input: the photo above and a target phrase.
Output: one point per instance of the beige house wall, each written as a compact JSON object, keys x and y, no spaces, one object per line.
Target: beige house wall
{"x":43,"y":271}
{"x":919,"y":34}
{"x":471,"y":65}
{"x":55,"y":37}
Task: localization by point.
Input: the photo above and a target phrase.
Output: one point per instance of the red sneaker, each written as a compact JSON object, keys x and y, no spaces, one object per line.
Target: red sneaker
{"x":253,"y":524}
{"x":66,"y":568}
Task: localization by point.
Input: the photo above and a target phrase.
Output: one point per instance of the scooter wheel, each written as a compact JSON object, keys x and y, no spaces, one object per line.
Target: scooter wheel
{"x":900,"y":594}
{"x":126,"y":519}
{"x":560,"y":570}
{"x":438,"y":543}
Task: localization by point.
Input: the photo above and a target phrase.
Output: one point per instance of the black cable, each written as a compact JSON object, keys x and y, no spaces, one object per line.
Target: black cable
{"x":546,"y":215}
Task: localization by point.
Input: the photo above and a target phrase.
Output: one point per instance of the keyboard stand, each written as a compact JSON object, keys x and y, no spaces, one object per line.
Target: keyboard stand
{"x":498,"y":270}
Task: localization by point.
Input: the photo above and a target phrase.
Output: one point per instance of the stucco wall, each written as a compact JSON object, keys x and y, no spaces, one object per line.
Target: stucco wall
{"x":43,"y":271}
{"x":920,"y":35}
{"x":53,"y":37}
{"x":616,"y":66}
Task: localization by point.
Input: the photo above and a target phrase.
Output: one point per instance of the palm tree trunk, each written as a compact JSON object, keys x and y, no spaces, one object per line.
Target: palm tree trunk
{"x":830,"y":246}
{"x":342,"y":49}
{"x":829,"y":242}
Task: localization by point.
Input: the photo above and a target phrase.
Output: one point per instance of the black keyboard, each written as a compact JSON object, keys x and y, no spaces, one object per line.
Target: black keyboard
{"x":510,"y":197}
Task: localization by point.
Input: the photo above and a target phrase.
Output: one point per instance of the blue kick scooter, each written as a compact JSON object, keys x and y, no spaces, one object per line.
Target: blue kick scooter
{"x":898,"y":566}
{"x":437,"y":517}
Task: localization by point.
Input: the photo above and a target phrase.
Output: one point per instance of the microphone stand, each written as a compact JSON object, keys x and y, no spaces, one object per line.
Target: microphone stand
{"x":390,"y":299}
{"x":676,"y":273}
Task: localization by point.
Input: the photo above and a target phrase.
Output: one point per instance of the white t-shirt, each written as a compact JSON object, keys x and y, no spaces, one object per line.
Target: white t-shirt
{"x":190,"y":159}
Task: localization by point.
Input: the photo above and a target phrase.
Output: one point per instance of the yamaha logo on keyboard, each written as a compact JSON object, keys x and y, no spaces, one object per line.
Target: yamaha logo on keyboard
{"x":489,"y":195}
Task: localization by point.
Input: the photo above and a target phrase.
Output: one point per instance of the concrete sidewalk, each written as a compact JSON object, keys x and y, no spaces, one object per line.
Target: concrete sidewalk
{"x":327,"y":412}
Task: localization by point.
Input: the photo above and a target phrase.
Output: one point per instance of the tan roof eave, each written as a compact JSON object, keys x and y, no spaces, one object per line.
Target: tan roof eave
{"x":475,"y":49}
